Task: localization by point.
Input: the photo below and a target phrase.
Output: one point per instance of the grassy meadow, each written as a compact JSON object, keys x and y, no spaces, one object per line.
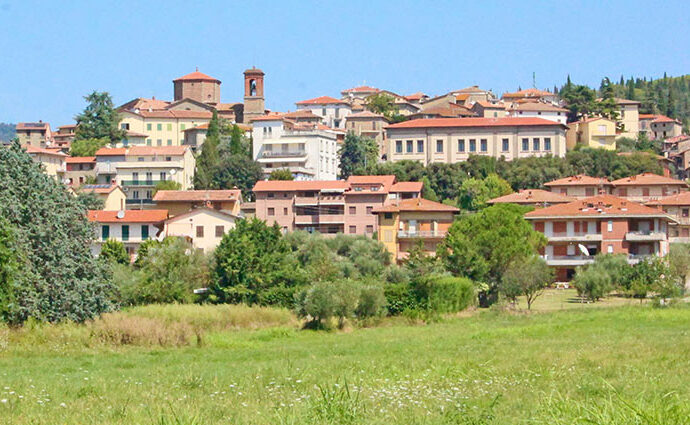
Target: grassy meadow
{"x":615,"y":362}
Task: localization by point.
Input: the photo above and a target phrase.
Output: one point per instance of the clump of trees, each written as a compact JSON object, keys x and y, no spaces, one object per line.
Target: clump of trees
{"x":97,"y":125}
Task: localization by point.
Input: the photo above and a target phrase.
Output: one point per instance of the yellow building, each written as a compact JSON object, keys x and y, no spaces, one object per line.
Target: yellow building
{"x":164,"y":127}
{"x":113,"y":197}
{"x":54,"y":162}
{"x":629,"y":118}
{"x":595,"y":132}
{"x":404,"y":223}
{"x":203,"y":227}
{"x":182,"y":201}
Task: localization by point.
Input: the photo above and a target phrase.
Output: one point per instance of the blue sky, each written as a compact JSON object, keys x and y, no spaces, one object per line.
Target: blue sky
{"x":53,"y":53}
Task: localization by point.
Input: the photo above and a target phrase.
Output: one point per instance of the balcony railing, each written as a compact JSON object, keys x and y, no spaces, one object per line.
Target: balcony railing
{"x":279,"y":154}
{"x":645,"y":235}
{"x":139,"y":201}
{"x":140,"y":182}
{"x":323,"y":199}
{"x":574,"y":236}
{"x":421,"y":234}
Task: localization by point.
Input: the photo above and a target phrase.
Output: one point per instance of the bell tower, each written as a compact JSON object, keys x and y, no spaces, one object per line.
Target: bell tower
{"x":253,"y":94}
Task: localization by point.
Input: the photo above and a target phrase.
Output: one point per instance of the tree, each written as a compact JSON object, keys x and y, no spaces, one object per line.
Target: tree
{"x":113,"y":251}
{"x":356,"y":152}
{"x":580,"y":101}
{"x":474,"y":193}
{"x":10,"y":263}
{"x":237,"y":145}
{"x":90,"y":201}
{"x":384,"y":104}
{"x":99,"y":120}
{"x":208,"y":161}
{"x":238,"y":171}
{"x":428,"y":191}
{"x":60,"y":278}
{"x":87,"y":147}
{"x":281,"y":174}
{"x":481,"y":246}
{"x":167,"y":185}
{"x":528,"y":277}
{"x":679,"y":262}
{"x":592,"y":283}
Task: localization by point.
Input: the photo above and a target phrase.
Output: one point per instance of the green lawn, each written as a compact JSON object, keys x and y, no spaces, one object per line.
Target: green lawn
{"x":624,"y":365}
{"x":567,"y":299}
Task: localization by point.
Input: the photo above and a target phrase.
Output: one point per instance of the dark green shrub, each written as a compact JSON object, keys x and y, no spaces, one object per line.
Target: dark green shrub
{"x":399,"y":298}
{"x":113,"y":251}
{"x":281,"y":296}
{"x":451,"y":294}
{"x":372,"y":301}
{"x":592,"y":283}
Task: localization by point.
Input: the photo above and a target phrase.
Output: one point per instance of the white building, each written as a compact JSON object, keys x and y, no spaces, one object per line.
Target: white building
{"x":131,"y":227}
{"x":331,"y":110}
{"x":543,"y":110}
{"x":309,"y":150}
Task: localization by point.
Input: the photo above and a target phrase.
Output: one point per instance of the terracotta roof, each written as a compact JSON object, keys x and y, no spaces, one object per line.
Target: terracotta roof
{"x":200,"y":210}
{"x":532,"y":196}
{"x":475,"y":122}
{"x":407,"y":187}
{"x":682,"y":198}
{"x":31,"y":126}
{"x":599,"y":206}
{"x":254,"y":70}
{"x":647,"y":179}
{"x":676,"y":139}
{"x":142,"y":151}
{"x":130,"y":216}
{"x":489,"y":105}
{"x":293,"y":186}
{"x":361,"y":89}
{"x":173,"y":114}
{"x":385,"y":181}
{"x":538,"y":106}
{"x":647,"y":116}
{"x":98,"y":188}
{"x":322,"y":100}
{"x":135,"y":134}
{"x":470,"y":89}
{"x":303,"y":113}
{"x":197,"y":195}
{"x":529,"y":93}
{"x":620,"y":101}
{"x":664,"y":118}
{"x":111,"y":152}
{"x":591,"y":119}
{"x":270,"y":117}
{"x":198,"y":127}
{"x":415,"y":96}
{"x":80,"y":159}
{"x":366,"y":114}
{"x":415,"y":204}
{"x":34,"y":149}
{"x":68,"y":126}
{"x":578,"y":180}
{"x":143,"y":103}
{"x":449,"y":111}
{"x":197,"y":76}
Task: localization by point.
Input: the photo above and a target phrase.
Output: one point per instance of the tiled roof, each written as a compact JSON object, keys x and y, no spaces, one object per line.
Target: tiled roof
{"x":415,"y":96}
{"x":407,"y":187}
{"x":578,"y":180}
{"x":598,"y":206}
{"x":130,"y":216}
{"x":143,"y":103}
{"x":664,"y":118}
{"x":98,"y":188}
{"x":475,"y":122}
{"x":254,"y":70}
{"x":292,"y":185}
{"x":538,"y":106}
{"x":647,"y":179}
{"x":489,"y":105}
{"x":111,"y":152}
{"x":197,"y":76}
{"x":35,"y":150}
{"x":366,"y":114}
{"x":322,"y":100}
{"x":197,"y":195}
{"x":68,"y":126}
{"x":647,"y":116}
{"x":80,"y":159}
{"x":301,"y":114}
{"x":529,"y":93}
{"x":174,"y":114}
{"x":620,"y":101}
{"x":143,"y":151}
{"x":31,"y":126}
{"x":203,"y":210}
{"x":415,"y":204}
{"x":385,"y":181}
{"x":270,"y":117}
{"x":361,"y":89}
{"x":682,"y":198}
{"x":532,"y":196}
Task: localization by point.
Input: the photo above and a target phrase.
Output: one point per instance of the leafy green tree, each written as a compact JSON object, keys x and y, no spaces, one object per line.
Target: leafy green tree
{"x":113,"y":251}
{"x":209,"y":159}
{"x":580,"y":101}
{"x":528,"y":277}
{"x":237,"y":144}
{"x":384,"y":104}
{"x":281,"y":174}
{"x":7,"y":132}
{"x":10,"y":263}
{"x":475,"y":193}
{"x":592,"y":283}
{"x":87,"y":147}
{"x":428,"y":191}
{"x":481,"y":246}
{"x":167,"y":185}
{"x":60,"y":278}
{"x":99,"y":120}
{"x":356,"y":152}
{"x":238,"y":171}
{"x":679,"y":262}
{"x":90,"y":201}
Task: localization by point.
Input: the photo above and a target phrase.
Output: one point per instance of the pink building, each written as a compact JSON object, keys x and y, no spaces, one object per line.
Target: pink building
{"x":330,"y":207}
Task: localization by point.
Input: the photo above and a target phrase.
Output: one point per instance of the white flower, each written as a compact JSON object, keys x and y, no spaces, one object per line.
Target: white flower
{"x":4,"y":400}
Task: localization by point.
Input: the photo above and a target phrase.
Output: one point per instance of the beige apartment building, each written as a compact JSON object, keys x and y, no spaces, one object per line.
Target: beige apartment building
{"x":370,"y":125}
{"x":182,"y":201}
{"x":112,"y":195}
{"x":203,"y":227}
{"x":678,"y":208}
{"x":579,"y":186}
{"x":53,"y":161}
{"x":36,"y":134}
{"x":593,"y":132}
{"x":80,"y":170}
{"x":629,"y":118}
{"x":452,"y":140}
{"x":646,"y":187}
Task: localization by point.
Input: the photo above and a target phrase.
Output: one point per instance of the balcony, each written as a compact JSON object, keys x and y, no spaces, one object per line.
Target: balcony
{"x":139,"y":182}
{"x":283,"y":154}
{"x":574,"y":237}
{"x":306,"y":219}
{"x":430,"y":234}
{"x":320,"y":200}
{"x":568,"y":260}
{"x":139,"y":201}
{"x":306,"y":200}
{"x":645,"y":235}
{"x":331,"y":218}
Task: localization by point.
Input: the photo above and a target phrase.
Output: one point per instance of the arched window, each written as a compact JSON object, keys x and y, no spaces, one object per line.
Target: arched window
{"x":252,"y":87}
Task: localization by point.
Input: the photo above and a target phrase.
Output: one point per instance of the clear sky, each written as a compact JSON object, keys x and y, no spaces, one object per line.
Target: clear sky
{"x":53,"y":53}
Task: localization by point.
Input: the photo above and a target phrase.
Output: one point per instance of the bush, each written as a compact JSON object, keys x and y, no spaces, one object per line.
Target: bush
{"x":113,"y":251}
{"x":400,"y":298}
{"x":281,"y":296}
{"x":592,"y":282}
{"x":316,"y":303}
{"x":372,"y":302}
{"x":444,"y":294}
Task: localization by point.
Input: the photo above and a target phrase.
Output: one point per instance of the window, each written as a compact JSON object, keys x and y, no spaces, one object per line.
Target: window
{"x":162,"y":175}
{"x":589,"y":191}
{"x":505,"y":145}
{"x":353,"y":229}
{"x":168,"y":158}
{"x":285,"y":211}
{"x":645,"y":191}
{"x":148,"y":142}
{"x":169,"y":142}
{"x":473,"y":145}
{"x":169,"y":127}
{"x":105,"y":232}
{"x":370,"y":229}
{"x":609,"y":249}
{"x":547,"y":143}
{"x":183,"y":127}
{"x":353,"y":210}
{"x":483,"y":145}
{"x":135,"y":194}
{"x":535,"y":144}
{"x":159,"y":142}
{"x":220,"y":231}
{"x":135,"y":176}
{"x":144,"y":232}
{"x":149,"y":194}
{"x":602,"y":130}
{"x":323,"y":112}
{"x":199,"y":231}
{"x":409,"y":146}
{"x":148,"y":126}
{"x":388,"y":216}
{"x":461,"y":145}
{"x":271,"y":211}
{"x":623,"y":192}
{"x":609,"y":226}
{"x":420,"y":146}
{"x":439,"y":146}
{"x":149,"y":176}
{"x":685,"y":212}
{"x":125,"y":232}
{"x":369,"y":209}
{"x":336,"y":123}
{"x":159,"y":127}
{"x":525,"y":144}
{"x":124,"y":126}
{"x":271,"y":195}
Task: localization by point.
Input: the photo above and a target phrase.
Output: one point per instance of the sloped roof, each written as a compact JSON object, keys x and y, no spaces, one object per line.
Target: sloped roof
{"x":80,"y":159}
{"x":647,"y":179}
{"x":415,"y":204}
{"x":36,"y":150}
{"x":539,"y":107}
{"x":130,"y":216}
{"x":143,"y":151}
{"x":597,"y":206}
{"x":385,"y":181}
{"x":532,"y":196}
{"x":31,"y":126}
{"x":202,"y":210}
{"x":664,"y":118}
{"x":407,"y":187}
{"x":197,"y":76}
{"x":529,"y":93}
{"x":292,"y":185}
{"x":98,"y":188}
{"x":366,"y":114}
{"x":489,"y":105}
{"x":681,"y":199}
{"x":578,"y":180}
{"x":197,"y":195}
{"x":321,"y":100}
{"x":361,"y":89}
{"x":475,"y":122}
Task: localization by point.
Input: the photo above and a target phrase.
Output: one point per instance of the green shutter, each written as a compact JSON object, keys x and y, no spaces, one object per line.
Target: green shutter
{"x":144,"y":232}
{"x":125,"y":232}
{"x":105,"y":232}
{"x":159,"y":127}
{"x":148,"y":126}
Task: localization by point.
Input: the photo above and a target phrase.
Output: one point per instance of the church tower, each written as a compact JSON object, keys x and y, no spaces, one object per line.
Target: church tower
{"x":253,"y":94}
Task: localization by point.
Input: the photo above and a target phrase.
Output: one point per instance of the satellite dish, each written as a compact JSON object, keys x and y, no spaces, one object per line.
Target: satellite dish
{"x":120,"y":214}
{"x":583,"y":250}
{"x":173,"y":172}
{"x":66,"y":181}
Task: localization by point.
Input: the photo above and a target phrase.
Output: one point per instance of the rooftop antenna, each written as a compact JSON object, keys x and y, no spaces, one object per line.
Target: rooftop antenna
{"x":534,"y":79}
{"x":197,"y":69}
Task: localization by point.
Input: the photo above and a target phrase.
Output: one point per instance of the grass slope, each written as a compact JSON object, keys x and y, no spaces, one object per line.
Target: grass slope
{"x":625,"y":365}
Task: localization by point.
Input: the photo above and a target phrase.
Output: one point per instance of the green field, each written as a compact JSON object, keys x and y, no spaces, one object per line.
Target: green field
{"x":617,"y":365}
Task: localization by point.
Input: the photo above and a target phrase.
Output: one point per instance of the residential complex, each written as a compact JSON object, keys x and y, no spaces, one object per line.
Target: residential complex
{"x":131,"y":227}
{"x":203,"y":227}
{"x":678,"y":208}
{"x":331,"y":110}
{"x":594,"y":132}
{"x":579,"y":186}
{"x":36,"y":134}
{"x":54,"y":162}
{"x":80,"y":170}
{"x":646,"y":187}
{"x":544,"y":110}
{"x":181,"y":201}
{"x":533,"y":197}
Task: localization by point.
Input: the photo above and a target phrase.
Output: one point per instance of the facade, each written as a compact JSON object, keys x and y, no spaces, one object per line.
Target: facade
{"x":54,"y":162}
{"x":628,"y":118}
{"x":182,"y":201}
{"x":368,"y":124}
{"x":331,"y":110}
{"x":197,"y":86}
{"x":678,"y":208}
{"x":579,"y":230}
{"x":645,"y":124}
{"x":163,"y":127}
{"x":253,"y":94}
{"x":307,"y":149}
{"x":131,"y":227}
{"x":530,"y":95}
{"x":330,"y":207}
{"x":80,"y":170}
{"x":138,"y":169}
{"x":548,"y":111}
{"x":533,"y":197}
{"x":579,"y":186}
{"x":452,"y":140}
{"x":112,"y":195}
{"x":647,"y":187}
{"x":594,"y":132}
{"x":36,"y":134}
{"x":663,"y":127}
{"x":64,"y":136}
{"x":404,"y":223}
{"x":202,"y":227}
{"x":485,"y":109}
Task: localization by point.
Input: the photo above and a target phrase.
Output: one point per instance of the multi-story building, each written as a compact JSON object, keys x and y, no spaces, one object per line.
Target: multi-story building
{"x":64,"y":136}
{"x":593,"y":132}
{"x":368,"y":124}
{"x":112,"y":195}
{"x":131,"y":227}
{"x":54,"y":162}
{"x":307,"y":149}
{"x":329,"y":207}
{"x":203,"y":227}
{"x":80,"y":170}
{"x":139,"y":168}
{"x":678,"y":208}
{"x":548,"y":111}
{"x":163,"y":127}
{"x":530,"y":95}
{"x":628,"y":118}
{"x":579,"y":186}
{"x":331,"y":110}
{"x":486,"y":109}
{"x":36,"y":134}
{"x":532,"y":197}
{"x":452,"y":140}
{"x":579,"y":230}
{"x":647,"y":187}
{"x":403,"y":223}
{"x":182,"y":201}
{"x":663,"y":127}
